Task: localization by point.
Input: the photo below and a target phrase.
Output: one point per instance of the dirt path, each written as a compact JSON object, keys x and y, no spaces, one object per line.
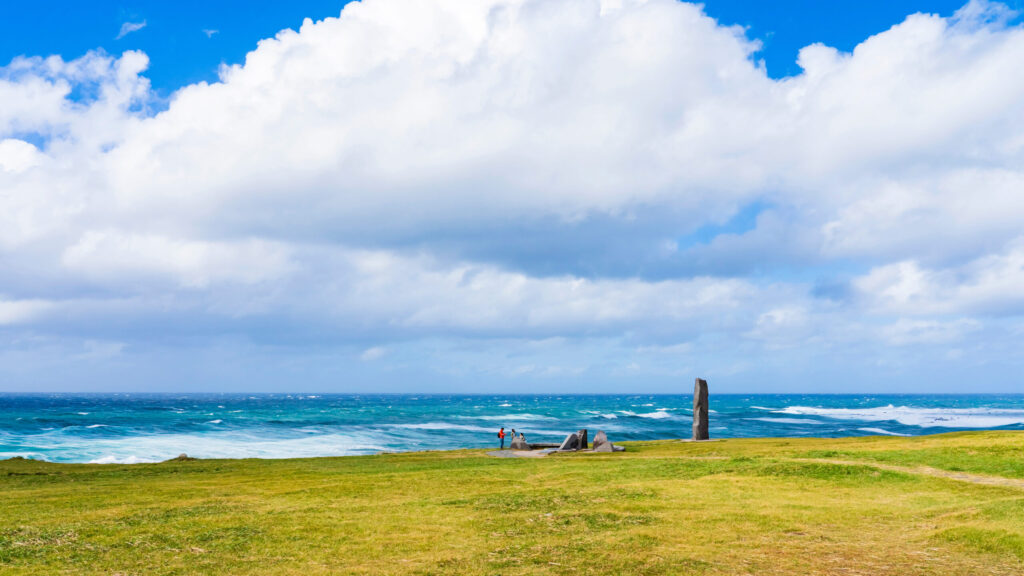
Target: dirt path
{"x":924,"y":471}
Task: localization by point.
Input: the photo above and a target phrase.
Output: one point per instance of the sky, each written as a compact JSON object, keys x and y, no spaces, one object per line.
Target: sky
{"x":512,"y":196}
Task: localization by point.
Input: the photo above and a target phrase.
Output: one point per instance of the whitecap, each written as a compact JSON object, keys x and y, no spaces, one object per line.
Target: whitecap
{"x":131,"y":459}
{"x":83,"y":413}
{"x":160,"y":447}
{"x":788,"y":421}
{"x":440,"y":426}
{"x":218,"y":421}
{"x":512,"y":417}
{"x":27,"y":455}
{"x":881,"y":431}
{"x":658,"y":415}
{"x":96,"y":426}
{"x":923,"y":417}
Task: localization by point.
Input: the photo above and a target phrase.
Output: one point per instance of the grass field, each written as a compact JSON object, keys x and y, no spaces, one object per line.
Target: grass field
{"x":946,"y":504}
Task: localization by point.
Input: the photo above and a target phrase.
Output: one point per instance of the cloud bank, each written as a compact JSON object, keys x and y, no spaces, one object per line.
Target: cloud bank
{"x":608,"y":193}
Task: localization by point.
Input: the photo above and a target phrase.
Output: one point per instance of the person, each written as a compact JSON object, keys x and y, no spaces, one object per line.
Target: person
{"x":501,"y":436}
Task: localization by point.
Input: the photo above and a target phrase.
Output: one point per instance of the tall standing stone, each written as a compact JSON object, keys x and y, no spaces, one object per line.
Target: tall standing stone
{"x":700,"y":410}
{"x":582,"y":434}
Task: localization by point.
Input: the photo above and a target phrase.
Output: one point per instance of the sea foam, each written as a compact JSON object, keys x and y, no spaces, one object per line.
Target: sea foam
{"x":511,"y":417}
{"x":800,"y":421}
{"x":158,"y":448}
{"x":923,"y":417}
{"x":660,"y":414}
{"x":881,"y":431}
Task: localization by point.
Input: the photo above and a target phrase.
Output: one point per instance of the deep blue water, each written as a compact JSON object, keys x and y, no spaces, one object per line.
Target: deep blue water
{"x":145,"y":428}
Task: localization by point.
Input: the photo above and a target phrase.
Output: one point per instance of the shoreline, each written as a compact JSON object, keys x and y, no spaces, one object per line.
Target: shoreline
{"x":136,"y":429}
{"x":485,"y":451}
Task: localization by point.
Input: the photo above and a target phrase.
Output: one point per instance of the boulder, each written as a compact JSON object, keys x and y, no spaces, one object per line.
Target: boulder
{"x":603,"y":447}
{"x":599,"y":439}
{"x":700,"y":410}
{"x":582,"y":435}
{"x":571,"y":442}
{"x":519,"y":443}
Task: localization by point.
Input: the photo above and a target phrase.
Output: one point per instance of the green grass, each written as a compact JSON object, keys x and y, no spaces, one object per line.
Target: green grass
{"x":758,"y":506}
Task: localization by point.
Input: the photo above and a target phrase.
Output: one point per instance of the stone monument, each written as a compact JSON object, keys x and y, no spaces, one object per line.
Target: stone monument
{"x":571,"y":442}
{"x":700,"y":410}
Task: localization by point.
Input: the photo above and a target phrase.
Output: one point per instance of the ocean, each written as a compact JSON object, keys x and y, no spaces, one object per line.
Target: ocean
{"x":131,"y":428}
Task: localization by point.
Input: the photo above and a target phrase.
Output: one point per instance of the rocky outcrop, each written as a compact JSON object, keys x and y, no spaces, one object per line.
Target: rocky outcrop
{"x":571,"y":442}
{"x":519,"y":443}
{"x":601,"y":443}
{"x":582,"y":436}
{"x":700,"y":410}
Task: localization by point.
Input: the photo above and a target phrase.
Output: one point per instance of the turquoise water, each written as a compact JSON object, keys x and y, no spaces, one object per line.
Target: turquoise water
{"x":149,"y":428}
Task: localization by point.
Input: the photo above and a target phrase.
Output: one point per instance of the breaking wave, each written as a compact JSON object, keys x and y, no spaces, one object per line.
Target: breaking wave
{"x":789,"y":421}
{"x":660,"y":414}
{"x":922,"y":417}
{"x":512,"y":417}
{"x":881,"y":431}
{"x":440,"y":426}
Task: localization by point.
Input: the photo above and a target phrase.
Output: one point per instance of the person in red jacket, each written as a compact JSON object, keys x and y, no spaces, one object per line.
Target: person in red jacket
{"x":501,"y":436}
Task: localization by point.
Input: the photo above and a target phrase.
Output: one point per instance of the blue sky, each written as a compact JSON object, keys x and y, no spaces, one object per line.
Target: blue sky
{"x":513,"y":195}
{"x":188,"y":40}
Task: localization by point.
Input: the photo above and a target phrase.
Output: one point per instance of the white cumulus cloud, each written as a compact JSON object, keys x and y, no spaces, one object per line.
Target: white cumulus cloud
{"x":613,"y":170}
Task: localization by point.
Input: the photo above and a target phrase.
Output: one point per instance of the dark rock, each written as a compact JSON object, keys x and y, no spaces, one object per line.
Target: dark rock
{"x":519,"y":443}
{"x":599,"y":439}
{"x":582,"y":435}
{"x":571,"y":442}
{"x":700,"y":410}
